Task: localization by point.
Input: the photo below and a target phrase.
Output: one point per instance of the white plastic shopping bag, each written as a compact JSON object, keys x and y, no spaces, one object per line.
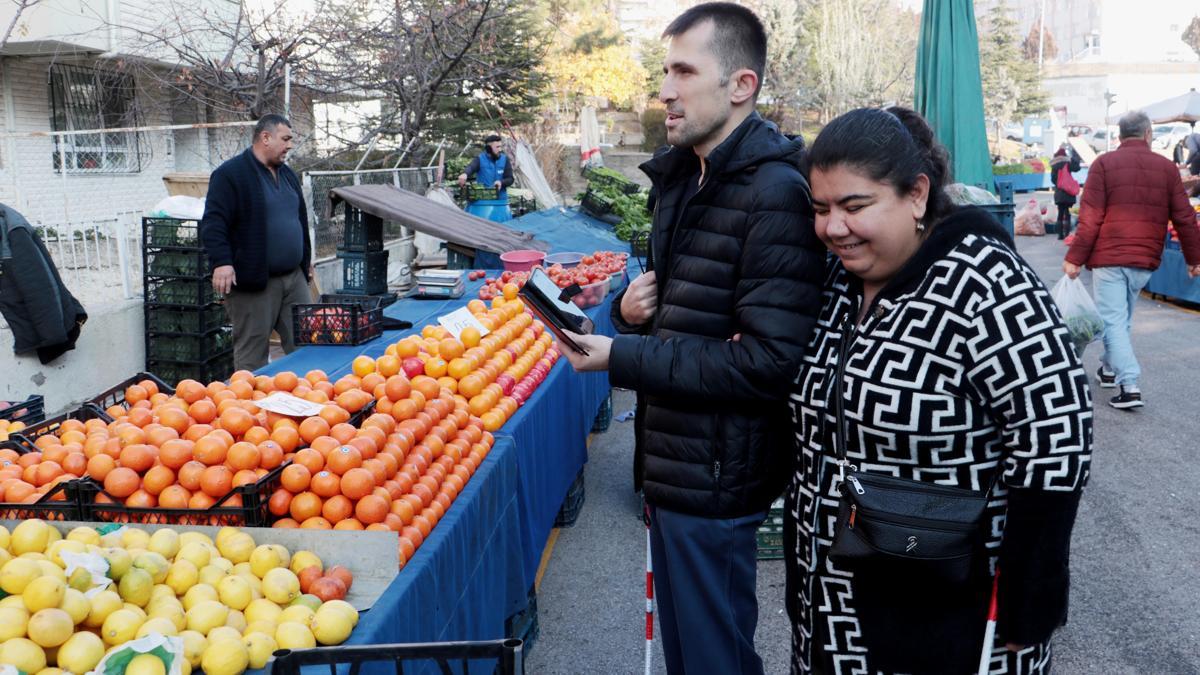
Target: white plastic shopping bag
{"x":1079,"y":312}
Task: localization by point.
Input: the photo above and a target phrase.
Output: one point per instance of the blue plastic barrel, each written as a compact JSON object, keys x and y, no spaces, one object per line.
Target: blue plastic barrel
{"x":492,"y":209}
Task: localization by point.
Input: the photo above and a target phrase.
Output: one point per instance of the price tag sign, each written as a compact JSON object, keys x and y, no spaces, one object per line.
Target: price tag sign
{"x":285,"y":404}
{"x":459,"y":319}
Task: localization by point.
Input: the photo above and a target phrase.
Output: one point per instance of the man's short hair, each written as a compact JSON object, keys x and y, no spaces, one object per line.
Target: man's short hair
{"x":1134,"y":124}
{"x":492,"y":138}
{"x":268,"y":122}
{"x":739,"y":39}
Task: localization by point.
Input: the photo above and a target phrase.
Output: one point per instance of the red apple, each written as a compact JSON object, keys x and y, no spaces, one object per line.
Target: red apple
{"x":413,"y":366}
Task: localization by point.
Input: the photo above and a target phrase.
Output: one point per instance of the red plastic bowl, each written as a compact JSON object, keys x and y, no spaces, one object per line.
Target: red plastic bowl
{"x":522,"y":260}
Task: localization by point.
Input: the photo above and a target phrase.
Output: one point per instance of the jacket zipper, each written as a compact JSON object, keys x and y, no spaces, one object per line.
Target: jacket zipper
{"x":716,"y":477}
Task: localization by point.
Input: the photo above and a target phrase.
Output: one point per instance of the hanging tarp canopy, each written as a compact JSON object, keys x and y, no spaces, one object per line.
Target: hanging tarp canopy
{"x":530,"y":176}
{"x":589,"y":139}
{"x":1182,"y":108}
{"x":437,"y":220}
{"x":949,"y":93}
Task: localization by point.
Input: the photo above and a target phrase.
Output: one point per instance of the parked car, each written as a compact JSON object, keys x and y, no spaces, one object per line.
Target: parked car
{"x":1097,"y":140}
{"x":1165,"y":136}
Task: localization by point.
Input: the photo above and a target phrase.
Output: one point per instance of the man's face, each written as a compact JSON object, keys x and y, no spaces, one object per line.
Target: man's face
{"x":276,"y":143}
{"x":494,"y":148}
{"x":698,"y":101}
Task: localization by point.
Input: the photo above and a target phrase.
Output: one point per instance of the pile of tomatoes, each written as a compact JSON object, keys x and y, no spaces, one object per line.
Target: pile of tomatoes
{"x":592,"y":269}
{"x":504,"y":286}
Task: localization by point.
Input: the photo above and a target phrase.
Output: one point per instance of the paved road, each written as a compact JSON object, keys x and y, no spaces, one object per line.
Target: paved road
{"x":1135,"y":559}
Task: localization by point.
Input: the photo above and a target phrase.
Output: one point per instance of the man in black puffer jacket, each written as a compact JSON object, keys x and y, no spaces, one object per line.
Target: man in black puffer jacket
{"x":712,"y":338}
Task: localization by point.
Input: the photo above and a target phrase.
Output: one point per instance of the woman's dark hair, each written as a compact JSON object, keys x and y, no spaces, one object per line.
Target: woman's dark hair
{"x":892,"y":146}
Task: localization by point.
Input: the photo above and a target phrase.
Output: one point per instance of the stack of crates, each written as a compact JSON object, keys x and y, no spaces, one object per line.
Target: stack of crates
{"x":364,"y":262}
{"x":770,"y":533}
{"x":187,"y":332}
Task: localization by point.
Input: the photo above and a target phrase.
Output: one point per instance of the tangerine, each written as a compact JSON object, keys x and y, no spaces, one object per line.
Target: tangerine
{"x":363,"y":365}
{"x":99,"y":466}
{"x":280,"y":502}
{"x":337,"y":508}
{"x":216,"y":481}
{"x":357,"y":483}
{"x":304,"y":506}
{"x":326,"y":484}
{"x":314,"y":427}
{"x":121,"y":482}
{"x":296,"y":478}
{"x":174,"y":497}
{"x":371,"y":509}
{"x":285,"y":381}
{"x":210,"y":450}
{"x":343,"y":459}
{"x":243,"y":455}
{"x":310,"y":459}
{"x":157,"y":479}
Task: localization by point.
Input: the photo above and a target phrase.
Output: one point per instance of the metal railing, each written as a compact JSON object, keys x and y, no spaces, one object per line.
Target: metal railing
{"x":94,"y":258}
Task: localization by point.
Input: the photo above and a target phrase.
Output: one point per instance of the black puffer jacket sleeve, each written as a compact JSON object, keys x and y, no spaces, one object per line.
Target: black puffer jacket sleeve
{"x":622,"y":326}
{"x":777,"y":298}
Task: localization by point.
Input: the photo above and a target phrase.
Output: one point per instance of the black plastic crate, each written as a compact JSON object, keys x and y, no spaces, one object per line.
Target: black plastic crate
{"x":196,"y":292}
{"x":30,"y":411}
{"x":524,"y":624}
{"x":447,"y":657}
{"x":18,"y":444}
{"x":251,"y":512}
{"x":185,"y":319}
{"x":363,"y":231}
{"x":572,"y":504}
{"x":216,"y":368}
{"x":171,"y":233}
{"x":174,"y":263}
{"x":610,"y":178}
{"x":85,"y":412}
{"x":364,"y":273}
{"x":596,"y":204}
{"x":188,"y":347}
{"x":770,"y":533}
{"x":338,"y":320}
{"x":604,"y":416}
{"x":61,"y":502}
{"x":115,"y":395}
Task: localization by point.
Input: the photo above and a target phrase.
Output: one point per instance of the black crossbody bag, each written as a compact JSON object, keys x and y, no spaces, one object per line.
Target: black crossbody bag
{"x":904,"y":527}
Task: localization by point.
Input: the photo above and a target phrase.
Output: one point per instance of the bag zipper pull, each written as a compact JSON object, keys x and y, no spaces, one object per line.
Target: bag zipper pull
{"x":853,"y":513}
{"x":857,"y":485}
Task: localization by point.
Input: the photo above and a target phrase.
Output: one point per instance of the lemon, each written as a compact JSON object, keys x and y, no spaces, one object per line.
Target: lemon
{"x":294,"y":635}
{"x":224,"y":534}
{"x":194,"y":645}
{"x":235,"y":592}
{"x":195,"y":552}
{"x":297,"y":614}
{"x":261,"y":626}
{"x":121,"y":626}
{"x":242,"y":569}
{"x":186,"y":538}
{"x":135,"y":586}
{"x":281,"y":586}
{"x":31,"y":536}
{"x":84,"y":535}
{"x":80,"y":580}
{"x":55,"y":550}
{"x":224,"y":564}
{"x":119,"y":562}
{"x":236,"y":620}
{"x":24,"y":655}
{"x":343,"y":606}
{"x":132,"y":537}
{"x":225,"y":657}
{"x":17,"y":574}
{"x":51,"y":671}
{"x":50,"y":627}
{"x":5,"y":538}
{"x":76,"y":606}
{"x":44,"y":593}
{"x":304,"y":559}
{"x":50,"y":569}
{"x":197,"y":594}
{"x":224,"y":633}
{"x":165,"y":543}
{"x":81,"y":652}
{"x":264,"y":559}
{"x":154,"y":564}
{"x":206,"y":616}
{"x":262,"y":609}
{"x":145,"y":664}
{"x":136,"y":610}
{"x":159,"y":625}
{"x":237,"y":548}
{"x":331,"y":626}
{"x":103,"y":604}
{"x":5,"y":556}
{"x":13,"y":621}
{"x":13,"y":601}
{"x":173,"y":613}
{"x":308,"y":600}
{"x":259,"y":647}
{"x":255,"y":583}
{"x":211,"y":574}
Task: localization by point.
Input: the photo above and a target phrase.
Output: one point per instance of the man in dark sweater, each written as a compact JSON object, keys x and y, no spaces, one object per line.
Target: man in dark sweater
{"x":255,"y":229}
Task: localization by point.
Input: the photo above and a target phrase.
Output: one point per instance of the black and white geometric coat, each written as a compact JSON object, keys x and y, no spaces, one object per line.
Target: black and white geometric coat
{"x":961,"y":369}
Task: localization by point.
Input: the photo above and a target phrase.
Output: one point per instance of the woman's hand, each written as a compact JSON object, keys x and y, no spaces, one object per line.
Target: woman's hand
{"x":597,"y":346}
{"x":1014,"y":647}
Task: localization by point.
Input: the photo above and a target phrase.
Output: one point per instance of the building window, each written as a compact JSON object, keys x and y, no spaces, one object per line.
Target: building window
{"x":89,"y":99}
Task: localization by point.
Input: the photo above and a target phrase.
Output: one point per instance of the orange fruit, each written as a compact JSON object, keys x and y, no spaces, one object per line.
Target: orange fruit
{"x":285,"y":381}
{"x":141,"y":499}
{"x":190,"y":391}
{"x":138,"y":457}
{"x":174,"y":497}
{"x":256,"y":435}
{"x":510,"y":291}
{"x":201,"y":501}
{"x":357,"y":483}
{"x":343,"y":459}
{"x":337,"y":508}
{"x":216,"y":481}
{"x":157,"y":479}
{"x":316,"y":523}
{"x":175,"y":418}
{"x":315,"y":376}
{"x":342,"y":432}
{"x":286,"y":523}
{"x":363,"y":365}
{"x":304,"y":506}
{"x":313,"y":427}
{"x":121,"y":482}
{"x":287,"y":437}
{"x":210,"y":450}
{"x":311,"y":459}
{"x":245,"y":477}
{"x":135,"y":393}
{"x":335,"y":414}
{"x":99,"y":466}
{"x":348,"y":524}
{"x":296,"y":479}
{"x":175,"y":453}
{"x":371,"y":509}
{"x":387,"y":365}
{"x":326,"y":484}
{"x":270,"y":454}
{"x":450,"y":349}
{"x":397,"y":387}
{"x":243,"y":455}
{"x":236,"y":421}
{"x":280,"y":502}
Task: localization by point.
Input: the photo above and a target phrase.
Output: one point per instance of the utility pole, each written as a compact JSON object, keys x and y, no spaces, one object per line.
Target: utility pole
{"x":1109,"y":99}
{"x":1041,"y":35}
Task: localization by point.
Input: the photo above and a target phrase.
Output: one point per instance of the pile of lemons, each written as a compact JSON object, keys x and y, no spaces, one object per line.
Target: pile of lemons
{"x":231,"y":601}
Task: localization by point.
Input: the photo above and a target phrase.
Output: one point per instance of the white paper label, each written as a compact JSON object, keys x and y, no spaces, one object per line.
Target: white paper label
{"x":284,"y":403}
{"x":459,"y":319}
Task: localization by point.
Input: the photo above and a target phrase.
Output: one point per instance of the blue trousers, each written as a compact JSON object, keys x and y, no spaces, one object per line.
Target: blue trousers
{"x":705,"y":588}
{"x":1116,"y":290}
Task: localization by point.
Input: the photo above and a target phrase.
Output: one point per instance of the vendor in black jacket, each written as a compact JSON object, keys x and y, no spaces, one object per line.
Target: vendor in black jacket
{"x":711,"y":338}
{"x":42,"y":313}
{"x":255,"y":229}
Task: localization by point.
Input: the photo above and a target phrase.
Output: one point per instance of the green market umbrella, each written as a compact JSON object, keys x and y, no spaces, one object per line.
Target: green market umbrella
{"x":949,"y":93}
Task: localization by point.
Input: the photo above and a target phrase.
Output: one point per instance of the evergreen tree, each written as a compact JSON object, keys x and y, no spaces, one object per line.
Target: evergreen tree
{"x":1012,"y":85}
{"x":1191,"y":35}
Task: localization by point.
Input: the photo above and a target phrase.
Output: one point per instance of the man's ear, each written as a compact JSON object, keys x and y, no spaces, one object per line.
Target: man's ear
{"x":745,"y":84}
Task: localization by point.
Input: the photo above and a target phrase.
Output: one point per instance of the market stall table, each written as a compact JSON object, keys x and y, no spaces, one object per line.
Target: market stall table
{"x":1171,"y":279}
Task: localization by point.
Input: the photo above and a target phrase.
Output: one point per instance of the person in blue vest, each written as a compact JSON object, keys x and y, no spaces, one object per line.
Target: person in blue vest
{"x":493,"y":169}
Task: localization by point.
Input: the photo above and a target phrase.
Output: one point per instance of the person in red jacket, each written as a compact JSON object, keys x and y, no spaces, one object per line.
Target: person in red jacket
{"x":1130,"y":195}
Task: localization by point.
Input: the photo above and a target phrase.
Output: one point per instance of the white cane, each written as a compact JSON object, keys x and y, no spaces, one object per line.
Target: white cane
{"x":649,"y":595}
{"x":989,"y":631}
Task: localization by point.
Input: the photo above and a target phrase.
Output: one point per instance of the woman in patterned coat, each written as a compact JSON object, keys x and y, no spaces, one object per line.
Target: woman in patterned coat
{"x":957,"y":370}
